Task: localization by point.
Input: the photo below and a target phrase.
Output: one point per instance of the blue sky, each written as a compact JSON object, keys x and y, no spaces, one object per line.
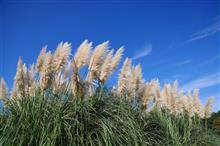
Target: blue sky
{"x":172,"y":40}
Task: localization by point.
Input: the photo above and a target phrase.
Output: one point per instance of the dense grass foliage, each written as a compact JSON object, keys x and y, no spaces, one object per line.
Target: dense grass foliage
{"x":214,"y":122}
{"x":54,"y":120}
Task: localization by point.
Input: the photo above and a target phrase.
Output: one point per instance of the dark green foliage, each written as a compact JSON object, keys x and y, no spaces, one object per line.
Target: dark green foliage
{"x":52,"y":120}
{"x":214,"y":122}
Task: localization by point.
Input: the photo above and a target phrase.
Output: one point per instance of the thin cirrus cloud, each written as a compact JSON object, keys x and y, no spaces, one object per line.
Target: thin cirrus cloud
{"x":210,"y":30}
{"x":147,"y":49}
{"x":202,"y":82}
{"x":211,"y":60}
{"x":184,"y":62}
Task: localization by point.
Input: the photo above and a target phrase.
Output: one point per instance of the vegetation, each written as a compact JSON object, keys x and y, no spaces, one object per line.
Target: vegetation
{"x":214,"y":122}
{"x":101,"y":120}
{"x":53,"y":103}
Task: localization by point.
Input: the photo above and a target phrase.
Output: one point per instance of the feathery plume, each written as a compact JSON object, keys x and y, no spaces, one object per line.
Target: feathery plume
{"x":208,"y":107}
{"x":110,"y":64}
{"x":159,"y":99}
{"x":82,"y":55}
{"x":97,"y":60}
{"x":46,"y":74}
{"x":57,"y":83}
{"x":40,"y":59}
{"x":32,"y":83}
{"x":61,"y":55}
{"x":3,"y":90}
{"x":18,"y":90}
{"x":177,"y":107}
{"x":184,"y":102}
{"x":167,"y":95}
{"x":135,"y":81}
{"x":197,"y":103}
{"x":147,"y":96}
{"x":123,"y":77}
{"x":106,"y":67}
{"x":174,"y":101}
{"x":26,"y":80}
{"x":116,"y":58}
{"x":191,"y":109}
{"x":149,"y":93}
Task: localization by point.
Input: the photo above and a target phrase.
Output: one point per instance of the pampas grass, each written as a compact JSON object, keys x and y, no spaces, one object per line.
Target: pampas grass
{"x":57,"y":105}
{"x":62,"y":73}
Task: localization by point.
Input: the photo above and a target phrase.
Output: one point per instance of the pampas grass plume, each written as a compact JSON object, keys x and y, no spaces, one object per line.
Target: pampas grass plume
{"x":19,"y":81}
{"x":123,"y":77}
{"x":46,"y":73}
{"x":97,"y":60}
{"x":61,"y":55}
{"x":40,"y":59}
{"x":116,"y":58}
{"x":82,"y":55}
{"x":208,"y":107}
{"x":3,"y":90}
{"x":106,"y":68}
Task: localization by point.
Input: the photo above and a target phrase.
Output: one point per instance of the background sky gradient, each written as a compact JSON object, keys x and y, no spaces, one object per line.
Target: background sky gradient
{"x":171,"y":40}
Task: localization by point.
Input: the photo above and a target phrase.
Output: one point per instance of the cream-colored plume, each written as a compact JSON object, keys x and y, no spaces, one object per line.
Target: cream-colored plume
{"x":3,"y":90}
{"x":96,"y":61}
{"x":147,"y":96}
{"x":197,"y":103}
{"x":135,"y":80}
{"x":106,"y":69}
{"x":208,"y":107}
{"x":191,"y":108}
{"x":61,"y":55}
{"x":185,"y":103}
{"x":82,"y":55}
{"x":124,"y":77}
{"x":166,"y":93}
{"x":46,"y":73}
{"x":159,"y":99}
{"x":116,"y":58}
{"x":32,"y":83}
{"x":174,"y":101}
{"x":110,"y":64}
{"x":18,"y":90}
{"x":40,"y":59}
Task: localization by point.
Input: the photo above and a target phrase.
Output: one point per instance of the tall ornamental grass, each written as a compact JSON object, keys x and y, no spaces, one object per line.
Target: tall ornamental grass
{"x":63,"y":99}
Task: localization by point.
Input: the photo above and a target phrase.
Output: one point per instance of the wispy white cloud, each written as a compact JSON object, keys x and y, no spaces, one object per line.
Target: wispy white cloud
{"x":184,"y":62}
{"x":146,"y":50}
{"x":210,"y":30}
{"x":211,"y":60}
{"x":202,"y":82}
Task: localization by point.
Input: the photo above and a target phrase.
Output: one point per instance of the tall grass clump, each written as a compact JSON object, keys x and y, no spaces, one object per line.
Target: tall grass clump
{"x":64,"y":100}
